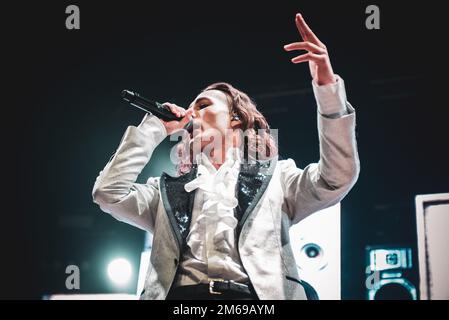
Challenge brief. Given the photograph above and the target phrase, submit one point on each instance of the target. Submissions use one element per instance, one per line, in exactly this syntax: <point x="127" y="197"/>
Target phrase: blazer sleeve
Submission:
<point x="323" y="184"/>
<point x="115" y="189"/>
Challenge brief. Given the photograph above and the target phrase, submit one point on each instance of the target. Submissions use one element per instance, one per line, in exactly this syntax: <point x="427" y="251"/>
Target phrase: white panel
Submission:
<point x="438" y="249"/>
<point x="99" y="296"/>
<point x="433" y="245"/>
<point x="144" y="264"/>
<point x="321" y="229"/>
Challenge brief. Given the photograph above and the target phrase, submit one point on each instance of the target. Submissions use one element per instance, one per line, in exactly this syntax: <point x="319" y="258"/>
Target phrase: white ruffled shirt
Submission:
<point x="211" y="248"/>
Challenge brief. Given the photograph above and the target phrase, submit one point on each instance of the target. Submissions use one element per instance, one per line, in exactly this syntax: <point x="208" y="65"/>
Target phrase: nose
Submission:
<point x="195" y="112"/>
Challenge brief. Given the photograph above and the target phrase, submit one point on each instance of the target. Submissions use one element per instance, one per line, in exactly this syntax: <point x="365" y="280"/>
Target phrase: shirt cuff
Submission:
<point x="331" y="98"/>
<point x="152" y="125"/>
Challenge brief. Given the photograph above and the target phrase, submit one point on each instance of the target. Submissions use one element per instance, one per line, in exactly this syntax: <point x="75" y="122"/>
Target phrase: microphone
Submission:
<point x="147" y="105"/>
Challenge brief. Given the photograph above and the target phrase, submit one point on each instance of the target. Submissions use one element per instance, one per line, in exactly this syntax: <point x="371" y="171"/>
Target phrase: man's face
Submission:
<point x="210" y="116"/>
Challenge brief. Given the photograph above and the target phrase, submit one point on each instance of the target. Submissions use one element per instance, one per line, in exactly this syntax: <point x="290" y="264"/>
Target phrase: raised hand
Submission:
<point x="317" y="55"/>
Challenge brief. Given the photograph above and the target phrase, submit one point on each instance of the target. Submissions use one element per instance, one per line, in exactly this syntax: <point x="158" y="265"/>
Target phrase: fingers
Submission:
<point x="187" y="117"/>
<point x="309" y="46"/>
<point x="300" y="29"/>
<point x="316" y="53"/>
<point x="175" y="125"/>
<point x="176" y="110"/>
<point x="305" y="31"/>
<point x="318" y="58"/>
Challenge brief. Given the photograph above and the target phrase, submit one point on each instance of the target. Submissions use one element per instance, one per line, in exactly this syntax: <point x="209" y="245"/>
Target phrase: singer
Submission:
<point x="220" y="228"/>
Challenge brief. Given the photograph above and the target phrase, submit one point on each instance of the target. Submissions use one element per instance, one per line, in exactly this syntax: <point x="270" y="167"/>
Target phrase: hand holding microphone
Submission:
<point x="175" y="125"/>
<point x="172" y="116"/>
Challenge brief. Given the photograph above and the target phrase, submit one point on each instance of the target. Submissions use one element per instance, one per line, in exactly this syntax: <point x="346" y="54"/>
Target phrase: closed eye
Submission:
<point x="202" y="103"/>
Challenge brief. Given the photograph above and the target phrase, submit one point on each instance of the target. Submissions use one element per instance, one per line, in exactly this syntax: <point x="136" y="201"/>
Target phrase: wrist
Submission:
<point x="331" y="98"/>
<point x="322" y="81"/>
<point x="153" y="125"/>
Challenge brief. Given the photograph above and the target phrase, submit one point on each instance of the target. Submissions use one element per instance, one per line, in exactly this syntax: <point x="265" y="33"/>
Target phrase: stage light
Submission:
<point x="120" y="271"/>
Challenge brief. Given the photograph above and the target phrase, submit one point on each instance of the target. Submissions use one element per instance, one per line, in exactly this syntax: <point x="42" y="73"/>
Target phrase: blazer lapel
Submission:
<point x="178" y="203"/>
<point x="252" y="182"/>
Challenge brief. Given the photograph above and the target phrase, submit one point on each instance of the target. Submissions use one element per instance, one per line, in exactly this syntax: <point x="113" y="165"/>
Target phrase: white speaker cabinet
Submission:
<point x="316" y="245"/>
<point x="432" y="222"/>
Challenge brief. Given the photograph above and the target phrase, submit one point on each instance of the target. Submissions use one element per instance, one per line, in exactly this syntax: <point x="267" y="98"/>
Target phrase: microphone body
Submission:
<point x="149" y="106"/>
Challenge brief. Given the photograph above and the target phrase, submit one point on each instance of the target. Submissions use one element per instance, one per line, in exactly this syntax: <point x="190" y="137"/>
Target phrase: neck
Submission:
<point x="217" y="156"/>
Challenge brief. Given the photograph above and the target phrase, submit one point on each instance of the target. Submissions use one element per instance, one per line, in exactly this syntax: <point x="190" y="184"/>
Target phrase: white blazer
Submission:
<point x="283" y="195"/>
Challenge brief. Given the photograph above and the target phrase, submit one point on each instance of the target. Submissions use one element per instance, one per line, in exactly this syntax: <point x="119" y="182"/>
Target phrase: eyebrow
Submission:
<point x="199" y="99"/>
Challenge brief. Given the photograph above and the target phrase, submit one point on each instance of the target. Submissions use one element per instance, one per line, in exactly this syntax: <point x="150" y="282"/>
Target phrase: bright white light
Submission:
<point x="119" y="271"/>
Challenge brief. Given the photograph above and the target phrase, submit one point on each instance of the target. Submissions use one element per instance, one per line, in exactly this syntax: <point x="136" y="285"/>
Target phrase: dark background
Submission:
<point x="63" y="116"/>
